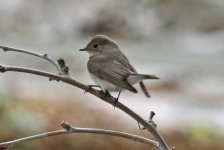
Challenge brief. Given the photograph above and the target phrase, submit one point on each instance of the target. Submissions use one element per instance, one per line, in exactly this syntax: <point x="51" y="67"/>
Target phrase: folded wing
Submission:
<point x="117" y="74"/>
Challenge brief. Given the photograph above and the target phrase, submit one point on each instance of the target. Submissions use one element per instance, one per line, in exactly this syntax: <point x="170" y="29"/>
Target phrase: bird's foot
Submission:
<point x="116" y="100"/>
<point x="89" y="88"/>
<point x="106" y="93"/>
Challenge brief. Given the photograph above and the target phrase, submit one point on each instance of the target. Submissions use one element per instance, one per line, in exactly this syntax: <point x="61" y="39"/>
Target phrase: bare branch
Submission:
<point x="68" y="129"/>
<point x="29" y="138"/>
<point x="136" y="138"/>
<point x="63" y="76"/>
<point x="107" y="98"/>
<point x="44" y="56"/>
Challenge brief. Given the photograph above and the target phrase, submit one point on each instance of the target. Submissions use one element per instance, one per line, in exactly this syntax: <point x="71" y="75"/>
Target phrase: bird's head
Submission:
<point x="99" y="44"/>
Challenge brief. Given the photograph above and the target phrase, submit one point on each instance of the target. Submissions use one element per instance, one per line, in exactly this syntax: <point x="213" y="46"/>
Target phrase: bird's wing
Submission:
<point x="121" y="58"/>
<point x="142" y="85"/>
<point x="116" y="74"/>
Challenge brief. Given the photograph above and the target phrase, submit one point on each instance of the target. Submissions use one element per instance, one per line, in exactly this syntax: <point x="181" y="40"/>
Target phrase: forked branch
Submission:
<point x="63" y="76"/>
<point x="43" y="56"/>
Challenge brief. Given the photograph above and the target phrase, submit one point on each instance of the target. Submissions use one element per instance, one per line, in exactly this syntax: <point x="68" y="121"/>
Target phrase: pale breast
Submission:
<point x="104" y="84"/>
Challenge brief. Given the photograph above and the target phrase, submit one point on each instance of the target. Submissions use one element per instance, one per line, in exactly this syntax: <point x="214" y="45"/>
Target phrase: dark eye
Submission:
<point x="95" y="45"/>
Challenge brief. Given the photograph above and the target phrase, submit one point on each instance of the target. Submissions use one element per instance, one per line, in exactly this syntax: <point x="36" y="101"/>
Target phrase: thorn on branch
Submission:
<point x="66" y="126"/>
<point x="2" y="69"/>
<point x="64" y="68"/>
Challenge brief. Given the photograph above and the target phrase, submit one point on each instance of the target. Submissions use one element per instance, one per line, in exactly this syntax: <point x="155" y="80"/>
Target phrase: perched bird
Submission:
<point x="110" y="68"/>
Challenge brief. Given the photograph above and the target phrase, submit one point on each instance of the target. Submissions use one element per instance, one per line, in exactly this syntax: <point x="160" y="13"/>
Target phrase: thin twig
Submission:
<point x="44" y="56"/>
<point x="68" y="129"/>
<point x="33" y="137"/>
<point x="109" y="99"/>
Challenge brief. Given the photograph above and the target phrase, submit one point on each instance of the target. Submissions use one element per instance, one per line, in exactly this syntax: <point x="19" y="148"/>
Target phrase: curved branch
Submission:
<point x="150" y="126"/>
<point x="109" y="99"/>
<point x="68" y="129"/>
<point x="44" y="56"/>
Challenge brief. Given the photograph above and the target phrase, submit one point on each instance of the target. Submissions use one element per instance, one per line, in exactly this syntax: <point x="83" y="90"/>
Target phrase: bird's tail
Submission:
<point x="135" y="78"/>
<point x="142" y="85"/>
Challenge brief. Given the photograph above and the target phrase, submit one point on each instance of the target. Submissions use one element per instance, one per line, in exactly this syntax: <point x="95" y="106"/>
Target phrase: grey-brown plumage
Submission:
<point x="110" y="68"/>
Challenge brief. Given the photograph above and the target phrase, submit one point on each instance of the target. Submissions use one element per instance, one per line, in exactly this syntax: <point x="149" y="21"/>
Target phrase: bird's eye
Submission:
<point x="95" y="45"/>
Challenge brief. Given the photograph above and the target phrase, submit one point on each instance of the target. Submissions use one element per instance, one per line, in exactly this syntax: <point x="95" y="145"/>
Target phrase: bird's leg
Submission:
<point x="105" y="93"/>
<point x="89" y="88"/>
<point x="116" y="100"/>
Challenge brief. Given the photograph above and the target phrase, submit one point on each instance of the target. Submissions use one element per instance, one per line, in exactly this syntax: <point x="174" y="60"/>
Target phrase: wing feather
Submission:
<point x="117" y="75"/>
<point x="124" y="61"/>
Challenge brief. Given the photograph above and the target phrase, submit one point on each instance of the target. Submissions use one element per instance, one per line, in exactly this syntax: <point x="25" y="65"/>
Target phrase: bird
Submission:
<point x="110" y="68"/>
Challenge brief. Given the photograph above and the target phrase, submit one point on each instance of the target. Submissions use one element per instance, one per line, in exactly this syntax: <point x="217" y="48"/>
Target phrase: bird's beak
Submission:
<point x="83" y="49"/>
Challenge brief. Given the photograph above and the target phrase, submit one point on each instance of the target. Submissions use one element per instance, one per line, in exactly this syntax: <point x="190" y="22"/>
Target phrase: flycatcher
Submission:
<point x="110" y="68"/>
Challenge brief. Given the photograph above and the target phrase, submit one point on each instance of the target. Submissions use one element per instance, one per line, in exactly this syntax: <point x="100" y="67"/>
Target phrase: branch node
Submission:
<point x="173" y="148"/>
<point x="44" y="55"/>
<point x="2" y="69"/>
<point x="66" y="126"/>
<point x="4" y="49"/>
<point x="64" y="68"/>
<point x="152" y="114"/>
<point x="153" y="124"/>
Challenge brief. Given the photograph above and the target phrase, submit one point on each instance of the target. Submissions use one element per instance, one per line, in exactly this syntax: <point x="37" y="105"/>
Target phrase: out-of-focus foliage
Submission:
<point x="80" y="115"/>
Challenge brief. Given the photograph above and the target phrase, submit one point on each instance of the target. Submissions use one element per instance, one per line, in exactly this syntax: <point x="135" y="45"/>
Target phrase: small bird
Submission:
<point x="110" y="68"/>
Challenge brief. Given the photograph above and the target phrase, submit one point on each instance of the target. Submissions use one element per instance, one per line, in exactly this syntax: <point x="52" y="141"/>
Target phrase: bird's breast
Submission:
<point x="104" y="84"/>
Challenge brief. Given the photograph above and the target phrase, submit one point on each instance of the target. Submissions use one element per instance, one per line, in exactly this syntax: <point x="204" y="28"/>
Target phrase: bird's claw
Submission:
<point x="102" y="93"/>
<point x="116" y="100"/>
<point x="106" y="93"/>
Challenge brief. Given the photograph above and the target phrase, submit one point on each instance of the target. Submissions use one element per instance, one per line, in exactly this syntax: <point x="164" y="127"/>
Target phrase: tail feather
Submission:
<point x="151" y="77"/>
<point x="135" y="78"/>
<point x="144" y="89"/>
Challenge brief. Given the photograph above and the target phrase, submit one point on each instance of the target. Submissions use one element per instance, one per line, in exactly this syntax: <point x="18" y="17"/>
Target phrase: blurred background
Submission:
<point x="179" y="41"/>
